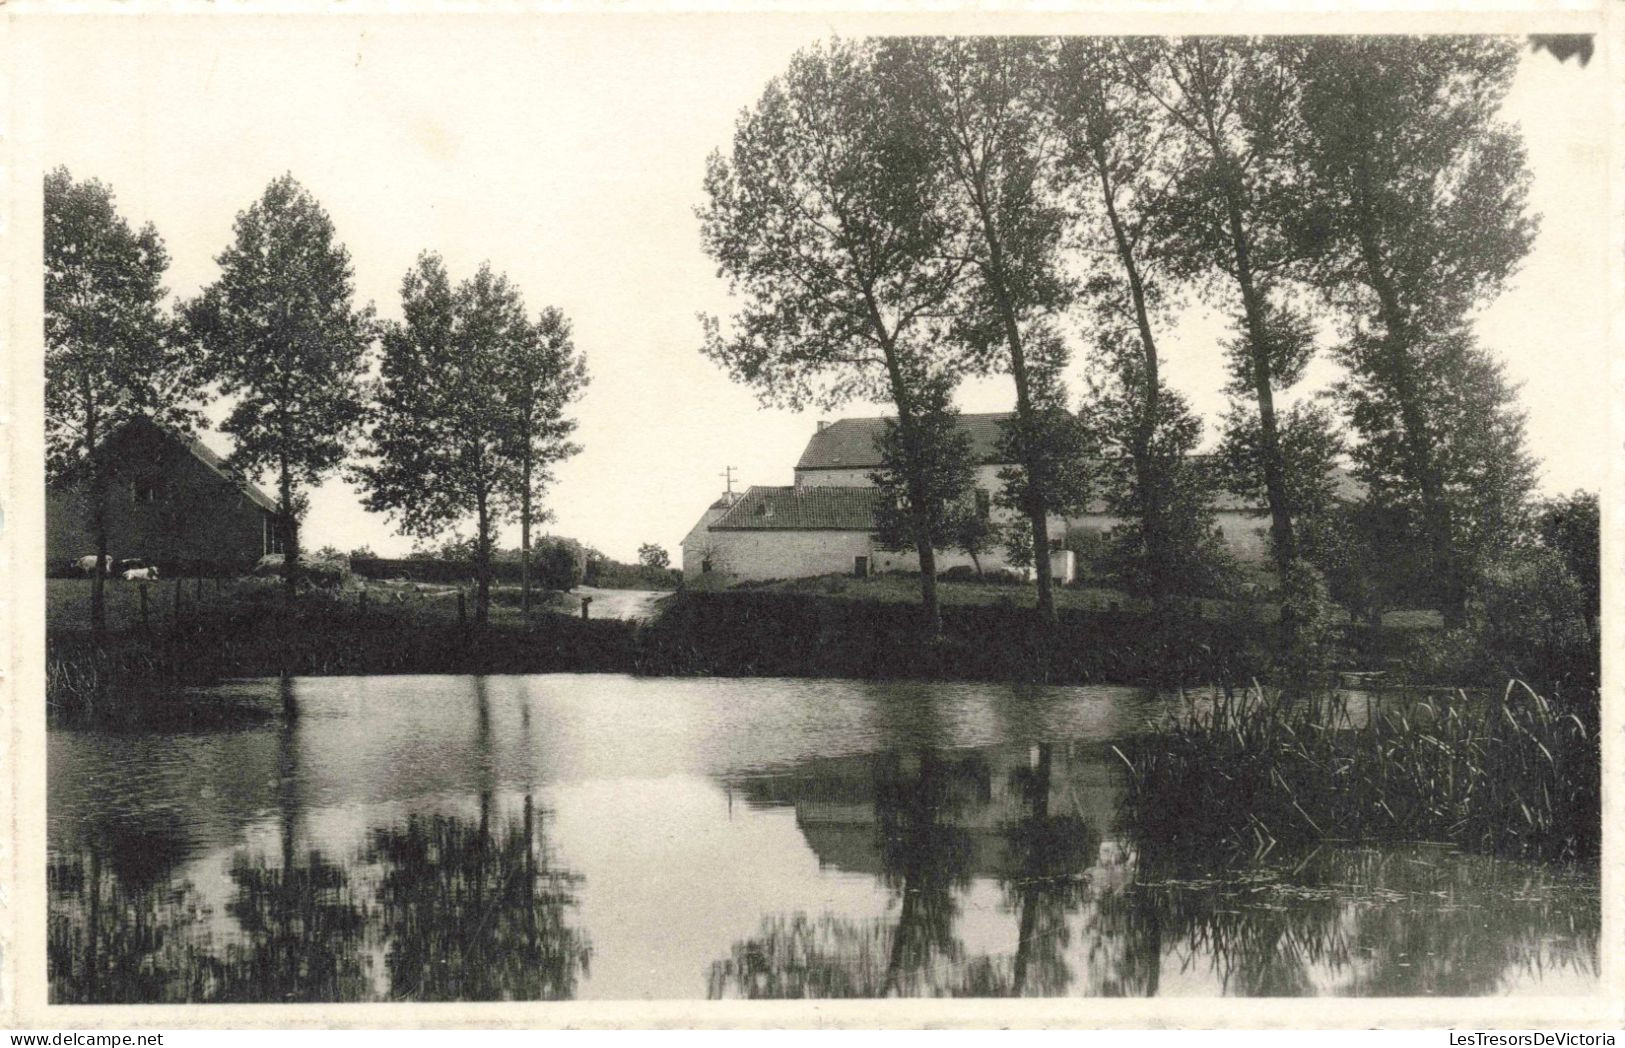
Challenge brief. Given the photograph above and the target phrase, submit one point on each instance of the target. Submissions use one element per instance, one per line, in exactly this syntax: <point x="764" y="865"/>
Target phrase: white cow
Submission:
<point x="87" y="565"/>
<point x="147" y="574"/>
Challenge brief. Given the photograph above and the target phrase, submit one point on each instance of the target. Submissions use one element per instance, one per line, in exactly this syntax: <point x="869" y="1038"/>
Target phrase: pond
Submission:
<point x="602" y="836"/>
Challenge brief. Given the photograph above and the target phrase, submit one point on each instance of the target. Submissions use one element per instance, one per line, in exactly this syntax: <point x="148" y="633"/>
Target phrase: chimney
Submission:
<point x="823" y="424"/>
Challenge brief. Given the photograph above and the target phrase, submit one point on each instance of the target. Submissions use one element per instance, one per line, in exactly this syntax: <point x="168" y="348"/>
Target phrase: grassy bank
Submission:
<point x="1515" y="772"/>
<point x="137" y="672"/>
<point x="240" y="629"/>
<point x="989" y="633"/>
<point x="758" y="632"/>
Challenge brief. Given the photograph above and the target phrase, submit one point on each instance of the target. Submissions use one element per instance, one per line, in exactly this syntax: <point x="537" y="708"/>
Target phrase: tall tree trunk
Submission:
<point x="524" y="539"/>
<point x="1417" y="440"/>
<point x="290" y="532"/>
<point x="919" y="508"/>
<point x="1036" y="503"/>
<point x="482" y="562"/>
<point x="1147" y="477"/>
<point x="98" y="525"/>
<point x="1258" y="341"/>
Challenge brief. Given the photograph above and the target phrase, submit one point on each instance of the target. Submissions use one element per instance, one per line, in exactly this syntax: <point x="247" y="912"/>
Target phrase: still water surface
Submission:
<point x="573" y="836"/>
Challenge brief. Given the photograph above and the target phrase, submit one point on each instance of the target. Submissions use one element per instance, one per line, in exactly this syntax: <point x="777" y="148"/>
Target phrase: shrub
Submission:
<point x="1525" y="619"/>
<point x="557" y="565"/>
<point x="1306" y="608"/>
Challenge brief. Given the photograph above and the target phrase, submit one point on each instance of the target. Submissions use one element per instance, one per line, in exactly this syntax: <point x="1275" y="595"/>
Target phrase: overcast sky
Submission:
<point x="568" y="151"/>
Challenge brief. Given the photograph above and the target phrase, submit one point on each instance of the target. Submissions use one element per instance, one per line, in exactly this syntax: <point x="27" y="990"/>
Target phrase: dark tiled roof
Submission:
<point x="802" y="509"/>
<point x="849" y="443"/>
<point x="204" y="454"/>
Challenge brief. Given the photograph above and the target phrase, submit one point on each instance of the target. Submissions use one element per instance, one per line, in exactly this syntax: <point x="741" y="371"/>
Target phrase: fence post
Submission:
<point x="584" y="602"/>
<point x="198" y="593"/>
<point x="462" y="608"/>
<point x="363" y="600"/>
<point x="144" y="622"/>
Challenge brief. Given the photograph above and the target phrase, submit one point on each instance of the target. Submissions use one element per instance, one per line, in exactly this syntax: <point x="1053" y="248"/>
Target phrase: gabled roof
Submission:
<point x="849" y="443"/>
<point x="801" y="509"/>
<point x="204" y="454"/>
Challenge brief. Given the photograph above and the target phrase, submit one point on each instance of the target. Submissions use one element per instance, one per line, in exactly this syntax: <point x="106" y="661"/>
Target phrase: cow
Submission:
<point x="87" y="565"/>
<point x="148" y="574"/>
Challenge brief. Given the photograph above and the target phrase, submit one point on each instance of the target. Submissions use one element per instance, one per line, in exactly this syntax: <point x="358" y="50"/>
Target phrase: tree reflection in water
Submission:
<point x="475" y="915"/>
<point x="1345" y="920"/>
<point x="922" y="805"/>
<point x="461" y="910"/>
<point x="1096" y="919"/>
<point x="1044" y="882"/>
<point x="113" y="940"/>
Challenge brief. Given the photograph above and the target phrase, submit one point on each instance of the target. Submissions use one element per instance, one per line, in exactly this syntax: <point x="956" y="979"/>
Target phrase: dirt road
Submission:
<point x="637" y="605"/>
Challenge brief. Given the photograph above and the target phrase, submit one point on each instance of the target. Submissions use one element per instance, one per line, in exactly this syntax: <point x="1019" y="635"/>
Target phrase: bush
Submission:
<point x="1525" y="619"/>
<point x="1306" y="609"/>
<point x="558" y="566"/>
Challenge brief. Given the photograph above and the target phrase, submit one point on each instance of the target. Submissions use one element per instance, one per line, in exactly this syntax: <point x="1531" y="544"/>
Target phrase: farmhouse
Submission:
<point x="824" y="523"/>
<point x="170" y="502"/>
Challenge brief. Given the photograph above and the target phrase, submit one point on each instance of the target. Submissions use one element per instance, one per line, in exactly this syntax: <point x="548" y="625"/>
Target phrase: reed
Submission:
<point x="1513" y="772"/>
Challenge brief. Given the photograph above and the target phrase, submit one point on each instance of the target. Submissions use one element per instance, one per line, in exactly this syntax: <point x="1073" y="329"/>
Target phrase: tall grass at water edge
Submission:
<point x="1514" y="772"/>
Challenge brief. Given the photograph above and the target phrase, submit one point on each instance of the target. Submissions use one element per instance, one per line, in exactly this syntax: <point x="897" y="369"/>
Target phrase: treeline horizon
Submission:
<point x="453" y="415"/>
<point x="896" y="215"/>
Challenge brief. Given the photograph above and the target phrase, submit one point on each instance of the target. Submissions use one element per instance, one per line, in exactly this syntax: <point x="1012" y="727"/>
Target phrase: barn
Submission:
<point x="170" y="502"/>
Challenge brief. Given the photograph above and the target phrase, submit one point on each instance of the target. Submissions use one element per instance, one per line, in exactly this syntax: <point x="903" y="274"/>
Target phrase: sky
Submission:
<point x="568" y="151"/>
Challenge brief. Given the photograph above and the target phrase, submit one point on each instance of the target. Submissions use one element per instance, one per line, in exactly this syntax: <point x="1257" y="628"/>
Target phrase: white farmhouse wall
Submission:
<point x="1247" y="535"/>
<point x="743" y="556"/>
<point x="698" y="540"/>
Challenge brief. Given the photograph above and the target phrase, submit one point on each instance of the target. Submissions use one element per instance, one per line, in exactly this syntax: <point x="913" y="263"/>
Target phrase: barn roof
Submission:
<point x="801" y="509"/>
<point x="204" y="454"/>
<point x="849" y="443"/>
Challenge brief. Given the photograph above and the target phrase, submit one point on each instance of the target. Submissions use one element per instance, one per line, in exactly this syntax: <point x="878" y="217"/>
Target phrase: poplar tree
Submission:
<point x="1421" y="216"/>
<point x="542" y="375"/>
<point x="1227" y="218"/>
<point x="111" y="354"/>
<point x="980" y="105"/>
<point x="821" y="219"/>
<point x="280" y="334"/>
<point x="440" y="439"/>
<point x="1119" y="157"/>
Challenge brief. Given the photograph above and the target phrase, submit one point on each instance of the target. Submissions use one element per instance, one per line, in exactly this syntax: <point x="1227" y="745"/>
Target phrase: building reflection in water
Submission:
<point x="328" y="858"/>
<point x="1100" y="917"/>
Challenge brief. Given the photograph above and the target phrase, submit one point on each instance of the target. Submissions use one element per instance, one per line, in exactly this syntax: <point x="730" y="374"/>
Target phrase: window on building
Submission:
<point x="705" y="566"/>
<point x="273" y="535"/>
<point x="984" y="503"/>
<point x="860" y="567"/>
